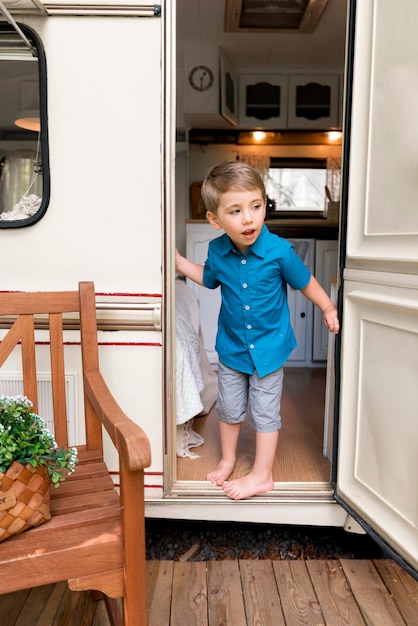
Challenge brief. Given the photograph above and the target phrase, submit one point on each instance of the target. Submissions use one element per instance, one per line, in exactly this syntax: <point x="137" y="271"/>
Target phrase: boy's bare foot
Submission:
<point x="247" y="486"/>
<point x="220" y="473"/>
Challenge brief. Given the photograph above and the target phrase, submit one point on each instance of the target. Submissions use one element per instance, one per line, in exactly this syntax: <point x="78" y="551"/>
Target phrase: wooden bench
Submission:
<point x="96" y="537"/>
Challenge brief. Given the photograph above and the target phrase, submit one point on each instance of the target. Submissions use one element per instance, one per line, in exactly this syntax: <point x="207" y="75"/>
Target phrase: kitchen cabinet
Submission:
<point x="314" y="101"/>
<point x="262" y="101"/>
<point x="301" y="309"/>
<point x="326" y="267"/>
<point x="198" y="236"/>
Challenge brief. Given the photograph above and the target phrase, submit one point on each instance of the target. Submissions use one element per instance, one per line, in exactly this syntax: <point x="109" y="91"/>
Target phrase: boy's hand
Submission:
<point x="188" y="268"/>
<point x="331" y="320"/>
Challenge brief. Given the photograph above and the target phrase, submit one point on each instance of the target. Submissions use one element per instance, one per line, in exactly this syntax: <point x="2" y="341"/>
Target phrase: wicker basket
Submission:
<point x="24" y="498"/>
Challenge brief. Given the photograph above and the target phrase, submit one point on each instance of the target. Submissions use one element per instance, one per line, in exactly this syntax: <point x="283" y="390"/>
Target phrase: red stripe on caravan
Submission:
<point x="109" y="343"/>
<point x="103" y="293"/>
<point x="129" y="295"/>
<point x="116" y="473"/>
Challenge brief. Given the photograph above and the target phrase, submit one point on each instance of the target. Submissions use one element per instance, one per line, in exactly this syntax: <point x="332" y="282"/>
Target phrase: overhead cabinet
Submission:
<point x="210" y="94"/>
<point x="263" y="101"/>
<point x="303" y="101"/>
<point x="314" y="101"/>
<point x="216" y="97"/>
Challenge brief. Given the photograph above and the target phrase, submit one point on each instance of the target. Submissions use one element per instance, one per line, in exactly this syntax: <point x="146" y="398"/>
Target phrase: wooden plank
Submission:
<point x="10" y="606"/>
<point x="225" y="599"/>
<point x="402" y="586"/>
<point x="77" y="607"/>
<point x="47" y="565"/>
<point x="262" y="604"/>
<point x="85" y="608"/>
<point x="34" y="605"/>
<point x="334" y="595"/>
<point x="52" y="604"/>
<point x="299" y="602"/>
<point x="30" y="388"/>
<point x="112" y="581"/>
<point x="56" y="339"/>
<point x="372" y="596"/>
<point x="189" y="603"/>
<point x="159" y="591"/>
<point x="75" y="503"/>
<point x="101" y="617"/>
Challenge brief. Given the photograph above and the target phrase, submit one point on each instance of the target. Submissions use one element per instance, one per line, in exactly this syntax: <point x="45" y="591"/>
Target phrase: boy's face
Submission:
<point x="241" y="214"/>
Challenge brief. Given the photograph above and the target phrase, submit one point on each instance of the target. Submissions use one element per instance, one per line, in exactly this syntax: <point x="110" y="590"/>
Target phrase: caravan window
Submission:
<point x="24" y="163"/>
<point x="297" y="185"/>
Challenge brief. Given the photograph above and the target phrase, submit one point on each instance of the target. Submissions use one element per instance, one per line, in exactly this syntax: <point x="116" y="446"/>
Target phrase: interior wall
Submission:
<point x="202" y="157"/>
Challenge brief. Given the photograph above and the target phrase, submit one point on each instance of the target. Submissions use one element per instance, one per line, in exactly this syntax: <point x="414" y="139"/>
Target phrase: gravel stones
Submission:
<point x="177" y="540"/>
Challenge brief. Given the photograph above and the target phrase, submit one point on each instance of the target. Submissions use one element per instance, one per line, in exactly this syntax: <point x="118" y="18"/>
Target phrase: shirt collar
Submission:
<point x="259" y="248"/>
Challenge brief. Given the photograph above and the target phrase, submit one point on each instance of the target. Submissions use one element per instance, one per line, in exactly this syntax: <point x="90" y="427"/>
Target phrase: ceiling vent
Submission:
<point x="273" y="16"/>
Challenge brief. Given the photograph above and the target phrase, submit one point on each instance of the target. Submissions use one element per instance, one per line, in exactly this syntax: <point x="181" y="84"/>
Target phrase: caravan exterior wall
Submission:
<point x="104" y="219"/>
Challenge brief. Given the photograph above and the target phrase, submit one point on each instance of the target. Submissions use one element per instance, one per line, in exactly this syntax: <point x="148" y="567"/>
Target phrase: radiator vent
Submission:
<point x="12" y="385"/>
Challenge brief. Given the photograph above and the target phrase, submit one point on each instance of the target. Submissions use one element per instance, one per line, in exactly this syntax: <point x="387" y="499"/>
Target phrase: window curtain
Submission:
<point x="18" y="178"/>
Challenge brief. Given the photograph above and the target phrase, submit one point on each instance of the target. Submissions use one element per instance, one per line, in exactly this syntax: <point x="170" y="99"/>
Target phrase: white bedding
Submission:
<point x="196" y="382"/>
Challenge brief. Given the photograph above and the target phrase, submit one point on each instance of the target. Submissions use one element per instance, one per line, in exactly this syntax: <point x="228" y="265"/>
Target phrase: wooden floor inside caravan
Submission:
<point x="299" y="456"/>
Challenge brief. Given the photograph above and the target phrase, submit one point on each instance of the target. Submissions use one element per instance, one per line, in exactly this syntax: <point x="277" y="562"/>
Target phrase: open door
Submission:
<point x="377" y="468"/>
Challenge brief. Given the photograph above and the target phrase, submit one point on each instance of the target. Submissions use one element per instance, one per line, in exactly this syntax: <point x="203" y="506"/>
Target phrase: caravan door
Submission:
<point x="377" y="470"/>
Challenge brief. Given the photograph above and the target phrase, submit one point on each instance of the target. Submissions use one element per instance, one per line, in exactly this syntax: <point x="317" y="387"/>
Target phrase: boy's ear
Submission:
<point x="213" y="220"/>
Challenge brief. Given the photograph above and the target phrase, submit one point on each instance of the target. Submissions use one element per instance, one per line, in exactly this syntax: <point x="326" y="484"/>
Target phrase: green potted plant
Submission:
<point x="30" y="461"/>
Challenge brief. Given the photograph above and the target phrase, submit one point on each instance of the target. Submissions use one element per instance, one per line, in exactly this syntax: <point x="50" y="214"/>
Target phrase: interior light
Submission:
<point x="28" y="118"/>
<point x="334" y="135"/>
<point x="259" y="135"/>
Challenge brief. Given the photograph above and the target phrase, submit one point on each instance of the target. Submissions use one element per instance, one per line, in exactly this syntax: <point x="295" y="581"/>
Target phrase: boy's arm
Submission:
<point x="189" y="269"/>
<point x="314" y="292"/>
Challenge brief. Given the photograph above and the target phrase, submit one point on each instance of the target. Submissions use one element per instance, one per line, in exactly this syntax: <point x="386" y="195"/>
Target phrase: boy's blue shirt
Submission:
<point x="254" y="330"/>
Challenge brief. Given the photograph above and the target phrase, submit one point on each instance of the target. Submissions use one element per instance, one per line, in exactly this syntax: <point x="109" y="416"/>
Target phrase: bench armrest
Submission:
<point x="129" y="439"/>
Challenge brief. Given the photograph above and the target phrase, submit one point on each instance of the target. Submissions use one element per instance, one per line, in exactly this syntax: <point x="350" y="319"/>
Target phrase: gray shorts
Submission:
<point x="238" y="392"/>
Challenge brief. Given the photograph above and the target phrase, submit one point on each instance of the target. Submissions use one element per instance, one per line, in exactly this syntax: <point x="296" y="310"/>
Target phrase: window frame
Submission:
<point x="44" y="143"/>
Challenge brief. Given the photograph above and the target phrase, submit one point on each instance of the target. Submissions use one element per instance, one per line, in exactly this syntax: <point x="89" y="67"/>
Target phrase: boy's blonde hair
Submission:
<point x="229" y="176"/>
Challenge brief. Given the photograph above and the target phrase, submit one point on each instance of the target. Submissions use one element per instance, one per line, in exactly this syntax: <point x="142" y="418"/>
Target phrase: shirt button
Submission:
<point x="244" y="285"/>
<point x="243" y="261"/>
<point x="247" y="308"/>
<point x="249" y="327"/>
<point x="251" y="346"/>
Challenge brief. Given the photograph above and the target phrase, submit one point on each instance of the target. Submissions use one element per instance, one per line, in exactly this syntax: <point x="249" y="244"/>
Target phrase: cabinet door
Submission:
<point x="326" y="264"/>
<point x="263" y="101"/>
<point x="314" y="101"/>
<point x="301" y="309"/>
<point x="198" y="238"/>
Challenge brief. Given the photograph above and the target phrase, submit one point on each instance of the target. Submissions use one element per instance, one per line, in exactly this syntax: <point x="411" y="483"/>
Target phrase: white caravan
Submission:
<point x="106" y="76"/>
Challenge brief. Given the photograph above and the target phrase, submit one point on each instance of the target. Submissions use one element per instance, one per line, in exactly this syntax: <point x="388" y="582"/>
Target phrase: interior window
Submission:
<point x="24" y="163"/>
<point x="297" y="185"/>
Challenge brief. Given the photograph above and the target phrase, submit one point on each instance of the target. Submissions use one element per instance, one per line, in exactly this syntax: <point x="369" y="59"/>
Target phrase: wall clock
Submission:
<point x="201" y="78"/>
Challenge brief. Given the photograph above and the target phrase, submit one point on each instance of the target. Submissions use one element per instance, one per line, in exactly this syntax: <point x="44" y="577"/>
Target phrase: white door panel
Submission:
<point x="377" y="473"/>
<point x="377" y="465"/>
<point x="384" y="136"/>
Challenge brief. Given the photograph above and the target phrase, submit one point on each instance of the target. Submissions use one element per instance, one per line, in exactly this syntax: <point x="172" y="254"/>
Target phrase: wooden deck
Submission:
<point x="352" y="592"/>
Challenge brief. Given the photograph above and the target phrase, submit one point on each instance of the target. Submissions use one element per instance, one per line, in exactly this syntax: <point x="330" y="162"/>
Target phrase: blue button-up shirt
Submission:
<point x="254" y="330"/>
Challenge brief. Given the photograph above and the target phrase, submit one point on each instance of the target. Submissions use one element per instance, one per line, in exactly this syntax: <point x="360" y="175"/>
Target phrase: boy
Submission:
<point x="254" y="339"/>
